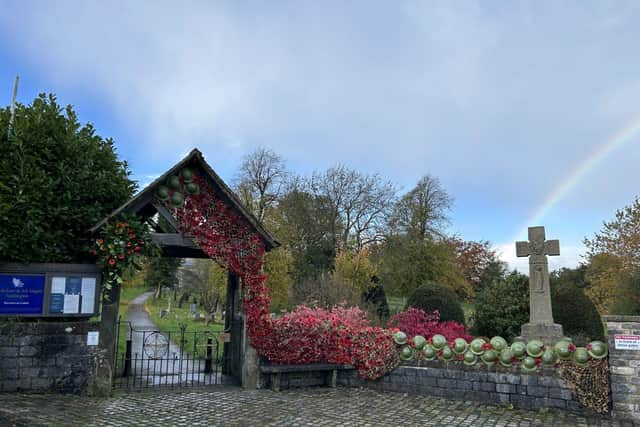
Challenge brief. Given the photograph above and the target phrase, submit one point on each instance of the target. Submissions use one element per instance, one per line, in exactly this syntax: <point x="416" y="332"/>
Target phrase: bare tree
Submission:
<point x="422" y="212"/>
<point x="260" y="180"/>
<point x="361" y="203"/>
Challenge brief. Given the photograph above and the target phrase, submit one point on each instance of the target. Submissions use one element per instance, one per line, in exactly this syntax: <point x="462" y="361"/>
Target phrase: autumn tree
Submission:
<point x="207" y="282"/>
<point x="423" y="211"/>
<point x="619" y="237"/>
<point x="406" y="263"/>
<point x="355" y="268"/>
<point x="306" y="226"/>
<point x="261" y="180"/>
<point x="360" y="203"/>
<point x="475" y="259"/>
<point x="278" y="266"/>
<point x="604" y="274"/>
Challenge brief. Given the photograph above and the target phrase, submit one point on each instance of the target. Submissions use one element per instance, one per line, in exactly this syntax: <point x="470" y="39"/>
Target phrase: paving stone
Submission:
<point x="230" y="406"/>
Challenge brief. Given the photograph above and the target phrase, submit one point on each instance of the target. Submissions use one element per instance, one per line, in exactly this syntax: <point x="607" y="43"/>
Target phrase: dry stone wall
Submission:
<point x="624" y="365"/>
<point x="543" y="389"/>
<point x="47" y="356"/>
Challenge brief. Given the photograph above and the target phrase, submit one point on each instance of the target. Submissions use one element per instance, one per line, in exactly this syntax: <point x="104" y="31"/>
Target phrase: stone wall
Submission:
<point x="543" y="389"/>
<point x="625" y="369"/>
<point x="47" y="356"/>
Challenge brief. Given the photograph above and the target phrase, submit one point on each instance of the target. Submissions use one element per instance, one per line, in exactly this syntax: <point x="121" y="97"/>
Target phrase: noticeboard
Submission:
<point x="49" y="290"/>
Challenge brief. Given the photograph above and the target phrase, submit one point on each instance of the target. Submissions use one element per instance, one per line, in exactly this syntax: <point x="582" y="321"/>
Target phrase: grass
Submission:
<point x="196" y="331"/>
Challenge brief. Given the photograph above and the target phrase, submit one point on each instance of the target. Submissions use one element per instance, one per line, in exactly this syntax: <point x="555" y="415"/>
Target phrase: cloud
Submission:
<point x="500" y="102"/>
<point x="570" y="257"/>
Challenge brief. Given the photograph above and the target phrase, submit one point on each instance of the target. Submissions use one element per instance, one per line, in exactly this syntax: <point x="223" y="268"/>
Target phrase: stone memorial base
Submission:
<point x="548" y="333"/>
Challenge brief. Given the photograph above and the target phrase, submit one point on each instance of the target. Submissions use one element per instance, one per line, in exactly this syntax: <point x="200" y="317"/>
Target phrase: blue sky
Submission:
<point x="500" y="100"/>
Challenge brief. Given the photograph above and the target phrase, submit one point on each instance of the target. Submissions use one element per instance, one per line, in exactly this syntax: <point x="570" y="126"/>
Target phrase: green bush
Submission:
<point x="627" y="300"/>
<point x="572" y="308"/>
<point x="57" y="179"/>
<point x="437" y="297"/>
<point x="502" y="307"/>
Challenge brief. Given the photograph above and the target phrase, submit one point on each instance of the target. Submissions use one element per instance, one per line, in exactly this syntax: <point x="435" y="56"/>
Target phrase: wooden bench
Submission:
<point x="275" y="372"/>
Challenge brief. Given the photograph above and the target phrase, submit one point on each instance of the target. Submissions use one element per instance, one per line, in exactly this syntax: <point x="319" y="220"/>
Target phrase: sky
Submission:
<point x="527" y="112"/>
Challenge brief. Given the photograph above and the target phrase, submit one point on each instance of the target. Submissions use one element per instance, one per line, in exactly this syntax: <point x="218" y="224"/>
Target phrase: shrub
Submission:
<point x="437" y="297"/>
<point x="57" y="180"/>
<point x="415" y="321"/>
<point x="627" y="300"/>
<point x="503" y="307"/>
<point x="340" y="335"/>
<point x="573" y="309"/>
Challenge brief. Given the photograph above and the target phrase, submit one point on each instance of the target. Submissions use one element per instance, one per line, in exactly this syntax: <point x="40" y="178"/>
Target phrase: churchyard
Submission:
<point x="283" y="294"/>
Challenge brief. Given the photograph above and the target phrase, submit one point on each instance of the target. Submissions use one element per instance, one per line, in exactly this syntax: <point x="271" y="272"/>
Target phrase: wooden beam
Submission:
<point x="173" y="239"/>
<point x="176" y="245"/>
<point x="164" y="213"/>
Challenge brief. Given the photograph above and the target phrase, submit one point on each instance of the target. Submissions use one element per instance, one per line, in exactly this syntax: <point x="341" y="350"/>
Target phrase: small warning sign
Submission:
<point x="627" y="342"/>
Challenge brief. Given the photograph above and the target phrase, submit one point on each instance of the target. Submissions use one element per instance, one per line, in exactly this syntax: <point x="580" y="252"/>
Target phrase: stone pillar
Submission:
<point x="625" y="369"/>
<point x="250" y="370"/>
<point x="105" y="364"/>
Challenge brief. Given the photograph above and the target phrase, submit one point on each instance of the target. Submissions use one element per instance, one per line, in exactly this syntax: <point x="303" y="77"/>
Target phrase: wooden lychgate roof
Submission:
<point x="170" y="239"/>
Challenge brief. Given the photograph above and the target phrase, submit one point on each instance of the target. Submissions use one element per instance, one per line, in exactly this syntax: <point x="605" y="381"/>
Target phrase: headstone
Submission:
<point x="541" y="325"/>
<point x="192" y="308"/>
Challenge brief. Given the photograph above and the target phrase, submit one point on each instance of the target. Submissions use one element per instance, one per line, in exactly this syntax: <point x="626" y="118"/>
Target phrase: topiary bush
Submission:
<point x="437" y="297"/>
<point x="572" y="308"/>
<point x="502" y="307"/>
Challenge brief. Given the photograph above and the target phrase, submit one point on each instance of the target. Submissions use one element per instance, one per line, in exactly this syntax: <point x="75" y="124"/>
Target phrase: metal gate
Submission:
<point x="179" y="358"/>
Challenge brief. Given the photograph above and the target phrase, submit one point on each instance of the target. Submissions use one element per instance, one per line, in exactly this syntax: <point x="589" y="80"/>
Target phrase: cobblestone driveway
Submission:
<point x="236" y="407"/>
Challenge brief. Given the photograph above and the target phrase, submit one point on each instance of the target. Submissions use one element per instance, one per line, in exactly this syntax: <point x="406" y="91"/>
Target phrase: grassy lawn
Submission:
<point x="196" y="331"/>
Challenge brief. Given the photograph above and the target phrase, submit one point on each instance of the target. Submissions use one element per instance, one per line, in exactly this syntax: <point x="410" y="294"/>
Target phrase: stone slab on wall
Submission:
<point x="624" y="366"/>
<point x="47" y="357"/>
<point x="479" y="383"/>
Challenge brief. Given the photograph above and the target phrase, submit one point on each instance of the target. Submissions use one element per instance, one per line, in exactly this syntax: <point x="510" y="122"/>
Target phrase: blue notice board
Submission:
<point x="21" y="294"/>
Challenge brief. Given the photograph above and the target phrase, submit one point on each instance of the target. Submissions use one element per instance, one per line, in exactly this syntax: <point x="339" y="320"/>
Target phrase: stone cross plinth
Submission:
<point x="540" y="324"/>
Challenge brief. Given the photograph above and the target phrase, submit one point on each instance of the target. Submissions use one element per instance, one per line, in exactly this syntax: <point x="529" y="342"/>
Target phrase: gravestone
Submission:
<point x="541" y="325"/>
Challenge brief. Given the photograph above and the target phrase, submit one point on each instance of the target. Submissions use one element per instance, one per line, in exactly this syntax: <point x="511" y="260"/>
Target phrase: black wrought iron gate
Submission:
<point x="178" y="358"/>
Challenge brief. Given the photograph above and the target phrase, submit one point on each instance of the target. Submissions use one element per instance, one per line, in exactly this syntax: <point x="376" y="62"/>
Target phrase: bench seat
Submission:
<point x="275" y="372"/>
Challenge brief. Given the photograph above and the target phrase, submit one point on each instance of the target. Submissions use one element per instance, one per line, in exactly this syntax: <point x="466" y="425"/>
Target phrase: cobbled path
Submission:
<point x="303" y="407"/>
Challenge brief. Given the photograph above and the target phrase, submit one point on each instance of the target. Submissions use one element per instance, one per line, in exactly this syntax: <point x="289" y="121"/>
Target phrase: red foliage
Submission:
<point x="415" y="321"/>
<point x="303" y="336"/>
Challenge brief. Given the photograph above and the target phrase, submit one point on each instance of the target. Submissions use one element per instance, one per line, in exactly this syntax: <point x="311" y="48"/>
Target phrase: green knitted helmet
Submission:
<point x="419" y="342"/>
<point x="498" y="343"/>
<point x="476" y="346"/>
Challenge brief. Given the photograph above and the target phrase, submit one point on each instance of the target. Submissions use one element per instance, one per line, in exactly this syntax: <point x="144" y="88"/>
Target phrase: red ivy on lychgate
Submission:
<point x="303" y="336"/>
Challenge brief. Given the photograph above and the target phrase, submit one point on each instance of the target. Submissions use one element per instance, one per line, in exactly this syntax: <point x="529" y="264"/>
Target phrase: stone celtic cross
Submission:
<point x="540" y="324"/>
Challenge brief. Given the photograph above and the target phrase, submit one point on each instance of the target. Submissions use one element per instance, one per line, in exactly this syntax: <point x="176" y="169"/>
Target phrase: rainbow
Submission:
<point x="617" y="140"/>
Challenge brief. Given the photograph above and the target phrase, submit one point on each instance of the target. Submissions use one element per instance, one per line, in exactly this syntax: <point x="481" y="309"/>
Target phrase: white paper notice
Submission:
<point x="627" y="342"/>
<point x="58" y="285"/>
<point x="71" y="304"/>
<point x="88" y="286"/>
<point x="93" y="337"/>
<point x="88" y="294"/>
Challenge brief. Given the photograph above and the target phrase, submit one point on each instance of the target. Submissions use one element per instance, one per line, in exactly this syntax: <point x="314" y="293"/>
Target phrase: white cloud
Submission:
<point x="500" y="102"/>
<point x="570" y="257"/>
